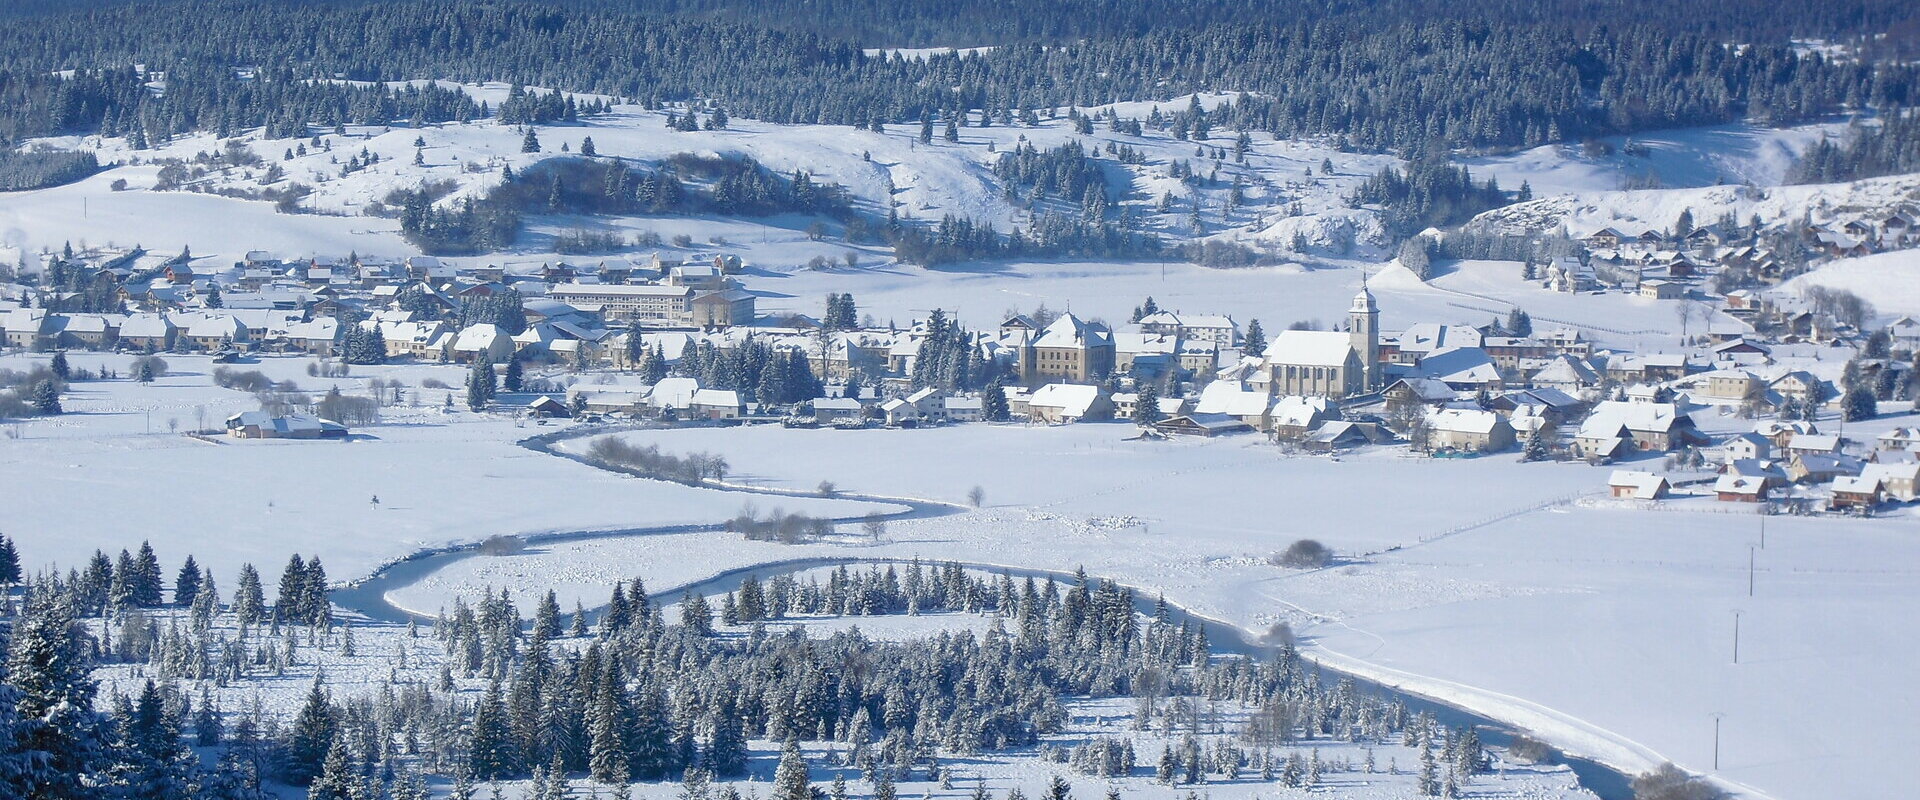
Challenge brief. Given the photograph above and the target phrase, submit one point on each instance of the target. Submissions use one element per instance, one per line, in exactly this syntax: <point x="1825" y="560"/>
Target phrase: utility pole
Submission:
<point x="1716" y="740"/>
<point x="1750" y="552"/>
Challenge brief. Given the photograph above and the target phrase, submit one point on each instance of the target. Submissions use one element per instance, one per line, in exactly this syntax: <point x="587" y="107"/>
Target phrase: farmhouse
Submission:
<point x="261" y="425"/>
<point x="1638" y="485"/>
<point x="1062" y="403"/>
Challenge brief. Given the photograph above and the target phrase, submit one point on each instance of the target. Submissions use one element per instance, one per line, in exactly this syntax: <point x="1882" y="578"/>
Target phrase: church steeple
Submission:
<point x="1363" y="328"/>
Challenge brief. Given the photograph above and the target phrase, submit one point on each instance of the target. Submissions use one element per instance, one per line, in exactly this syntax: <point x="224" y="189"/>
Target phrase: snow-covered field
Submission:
<point x="1680" y="158"/>
<point x="1891" y="281"/>
<point x="890" y="170"/>
<point x="96" y="478"/>
<point x="1606" y="629"/>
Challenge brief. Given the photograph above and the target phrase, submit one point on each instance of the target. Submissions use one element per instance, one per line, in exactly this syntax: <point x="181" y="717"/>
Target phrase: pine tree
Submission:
<point x="46" y="398"/>
<point x="607" y="728"/>
<point x="480" y="384"/>
<point x="50" y="687"/>
<point x="587" y="149"/>
<point x="1536" y="447"/>
<point x="790" y="778"/>
<point x="490" y="750"/>
<point x="512" y="379"/>
<point x="1255" y="340"/>
<point x="337" y="779"/>
<point x="727" y="747"/>
<point x="695" y="615"/>
<point x="309" y="744"/>
<point x="59" y="366"/>
<point x="993" y="403"/>
<point x="249" y="602"/>
<point x="186" y="585"/>
<point x="146" y="585"/>
<point x="9" y="563"/>
<point x="1146" y="409"/>
<point x="530" y="143"/>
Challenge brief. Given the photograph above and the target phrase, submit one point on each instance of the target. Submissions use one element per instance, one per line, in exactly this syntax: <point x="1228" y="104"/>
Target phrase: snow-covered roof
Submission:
<point x="1310" y="348"/>
<point x="1428" y="336"/>
<point x="1460" y="365"/>
<point x="477" y="337"/>
<point x="1297" y="411"/>
<point x="1645" y="484"/>
<point x="1739" y="484"/>
<point x="1073" y="399"/>
<point x="1611" y="417"/>
<point x="1071" y="331"/>
<point x="675" y="392"/>
<point x="1464" y="420"/>
<point x="717" y="398"/>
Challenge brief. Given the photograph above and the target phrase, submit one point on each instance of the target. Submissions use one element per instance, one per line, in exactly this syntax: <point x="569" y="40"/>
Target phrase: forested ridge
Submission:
<point x="1398" y="75"/>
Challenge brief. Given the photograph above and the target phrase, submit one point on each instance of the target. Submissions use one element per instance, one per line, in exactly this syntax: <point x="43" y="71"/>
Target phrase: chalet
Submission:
<point x="1903" y="438"/>
<point x="1606" y="239"/>
<point x="93" y="331"/>
<point x="548" y="407"/>
<point x="1062" y="403"/>
<point x="1856" y="492"/>
<point x="1747" y="446"/>
<point x="1658" y="289"/>
<point x="1418" y="391"/>
<point x="966" y="409"/>
<point x="1740" y="489"/>
<point x="1813" y="444"/>
<point x="1230" y="398"/>
<point x="26" y="327"/>
<point x="630" y="401"/>
<point x="1821" y="468"/>
<point x="317" y="337"/>
<point x="1339" y="434"/>
<point x="1905" y="333"/>
<point x="717" y="404"/>
<point x="1463" y="369"/>
<point x="148" y="332"/>
<point x="1901" y="480"/>
<point x="829" y="410"/>
<point x="1293" y="416"/>
<point x="899" y="412"/>
<point x="1566" y="373"/>
<point x="216" y="331"/>
<point x="1637" y="485"/>
<point x="1201" y="425"/>
<point x="1652" y="427"/>
<point x="482" y="340"/>
<point x="1740" y="350"/>
<point x="423" y="341"/>
<point x="1727" y="384"/>
<point x="1469" y="429"/>
<point x="261" y="425"/>
<point x="1781" y="432"/>
<point x="674" y="394"/>
<point x="1421" y="340"/>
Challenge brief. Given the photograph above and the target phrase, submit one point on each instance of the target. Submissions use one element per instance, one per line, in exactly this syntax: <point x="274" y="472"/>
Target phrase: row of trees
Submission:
<point x="1540" y="72"/>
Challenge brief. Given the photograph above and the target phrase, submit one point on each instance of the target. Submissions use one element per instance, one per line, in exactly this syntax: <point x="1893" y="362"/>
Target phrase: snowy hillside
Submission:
<point x="890" y="170"/>
<point x="1659" y="208"/>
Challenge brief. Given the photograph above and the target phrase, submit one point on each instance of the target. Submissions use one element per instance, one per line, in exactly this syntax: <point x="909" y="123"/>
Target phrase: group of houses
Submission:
<point x="1669" y="263"/>
<point x="1795" y="462"/>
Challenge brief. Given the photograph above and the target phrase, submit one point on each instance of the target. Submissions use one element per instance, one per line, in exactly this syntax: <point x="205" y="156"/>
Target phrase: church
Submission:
<point x="1335" y="364"/>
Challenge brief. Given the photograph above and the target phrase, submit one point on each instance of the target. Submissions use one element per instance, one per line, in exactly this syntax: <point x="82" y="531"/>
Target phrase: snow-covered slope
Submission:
<point x="890" y="170"/>
<point x="1659" y="208"/>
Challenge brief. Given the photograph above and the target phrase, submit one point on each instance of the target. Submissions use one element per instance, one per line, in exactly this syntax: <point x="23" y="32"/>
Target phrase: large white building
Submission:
<point x="1328" y="363"/>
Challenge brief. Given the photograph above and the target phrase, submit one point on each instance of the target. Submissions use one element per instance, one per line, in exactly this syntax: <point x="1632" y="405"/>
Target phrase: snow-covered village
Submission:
<point x="543" y="399"/>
